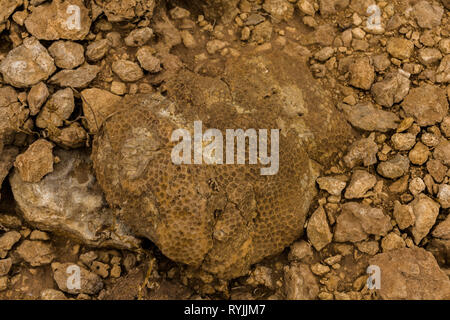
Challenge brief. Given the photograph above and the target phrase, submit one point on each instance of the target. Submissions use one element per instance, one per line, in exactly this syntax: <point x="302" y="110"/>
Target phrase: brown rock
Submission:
<point x="361" y="182"/>
<point x="362" y="73"/>
<point x="37" y="95"/>
<point x="57" y="109"/>
<point x="318" y="230"/>
<point x="419" y="154"/>
<point x="90" y="283"/>
<point x="7" y="241"/>
<point x="97" y="105"/>
<point x="67" y="54"/>
<point x="400" y="48"/>
<point x="426" y="211"/>
<point x="36" y="253"/>
<point x="300" y="283"/>
<point x="78" y="78"/>
<point x="127" y="71"/>
<point x="394" y="168"/>
<point x="36" y="162"/>
<point x="366" y="117"/>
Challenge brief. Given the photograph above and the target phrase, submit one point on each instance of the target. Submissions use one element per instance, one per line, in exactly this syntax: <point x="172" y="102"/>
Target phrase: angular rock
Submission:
<point x="427" y="104"/>
<point x="357" y="221"/>
<point x="411" y="274"/>
<point x="443" y="71"/>
<point x="428" y="15"/>
<point x="392" y="241"/>
<point x="67" y="54"/>
<point x="444" y="196"/>
<point x="404" y="215"/>
<point x="71" y="137"/>
<point x="300" y="283"/>
<point x="279" y="9"/>
<point x="57" y="109"/>
<point x="403" y="141"/>
<point x="362" y="73"/>
<point x="5" y="266"/>
<point x="78" y="78"/>
<point x="90" y="283"/>
<point x="393" y="89"/>
<point x="96" y="50"/>
<point x="400" y="48"/>
<point x="59" y="19"/>
<point x="318" y="230"/>
<point x="37" y="95"/>
<point x="7" y="7"/>
<point x="138" y="37"/>
<point x="426" y="211"/>
<point x="442" y="152"/>
<point x="394" y="168"/>
<point x="7" y="157"/>
<point x="333" y="185"/>
<point x="27" y="64"/>
<point x="361" y="182"/>
<point x="362" y="152"/>
<point x="7" y="241"/>
<point x="366" y="117"/>
<point x="36" y="253"/>
<point x="52" y="294"/>
<point x="36" y="162"/>
<point x="122" y="10"/>
<point x="127" y="71"/>
<point x="68" y="202"/>
<point x="429" y="56"/>
<point x="442" y="230"/>
<point x="419" y="154"/>
<point x="147" y="60"/>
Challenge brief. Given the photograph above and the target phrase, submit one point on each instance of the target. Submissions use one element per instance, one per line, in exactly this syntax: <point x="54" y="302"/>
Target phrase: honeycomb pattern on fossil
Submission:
<point x="221" y="218"/>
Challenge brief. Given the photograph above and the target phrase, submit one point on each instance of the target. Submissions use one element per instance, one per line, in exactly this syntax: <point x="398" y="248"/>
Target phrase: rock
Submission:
<point x="5" y="266"/>
<point x="366" y="117"/>
<point x="90" y="283"/>
<point x="127" y="71"/>
<point x="399" y="186"/>
<point x="7" y="7"/>
<point x="60" y="19"/>
<point x="27" y="64"/>
<point x="329" y="7"/>
<point x="319" y="269"/>
<point x="392" y="241"/>
<point x="36" y="162"/>
<point x="400" y="48"/>
<point x="306" y="7"/>
<point x="215" y="244"/>
<point x="139" y="37"/>
<point x="101" y="269"/>
<point x="416" y="186"/>
<point x="97" y="105"/>
<point x="39" y="235"/>
<point x="429" y="56"/>
<point x="393" y="89"/>
<point x="442" y="230"/>
<point x="300" y="283"/>
<point x="369" y="247"/>
<point x="357" y="221"/>
<point x="394" y="168"/>
<point x="419" y="154"/>
<point x="78" y="78"/>
<point x="300" y="251"/>
<point x="71" y="137"/>
<point x="437" y="170"/>
<point x="3" y="283"/>
<point x="361" y="182"/>
<point x="54" y="204"/>
<point x="381" y="62"/>
<point x="67" y="54"/>
<point x="279" y="9"/>
<point x="7" y="241"/>
<point x="190" y="42"/>
<point x="333" y="185"/>
<point x="404" y="215"/>
<point x="57" y="109"/>
<point x="324" y="54"/>
<point x="403" y="141"/>
<point x="443" y="71"/>
<point x="122" y="10"/>
<point x="37" y="95"/>
<point x="362" y="73"/>
<point x="52" y="294"/>
<point x="13" y="115"/>
<point x="444" y="196"/>
<point x="426" y="211"/>
<point x="260" y="34"/>
<point x="362" y="152"/>
<point x="427" y="104"/>
<point x="442" y="152"/>
<point x="318" y="230"/>
<point x="7" y="157"/>
<point x="96" y="50"/>
<point x="36" y="253"/>
<point x="179" y="13"/>
<point x="427" y="15"/>
<point x="261" y="275"/>
<point x="147" y="61"/>
<point x="215" y="45"/>
<point x="411" y="274"/>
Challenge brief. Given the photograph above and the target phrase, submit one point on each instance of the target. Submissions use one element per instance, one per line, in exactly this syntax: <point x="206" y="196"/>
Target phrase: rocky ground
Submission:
<point x="367" y="80"/>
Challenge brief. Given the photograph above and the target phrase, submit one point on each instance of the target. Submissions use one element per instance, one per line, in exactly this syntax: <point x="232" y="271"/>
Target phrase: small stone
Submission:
<point x="7" y="241"/>
<point x="366" y="117"/>
<point x="318" y="230"/>
<point x="36" y="253"/>
<point x="426" y="211"/>
<point x="96" y="50"/>
<point x="39" y="235"/>
<point x="71" y="137"/>
<point x="57" y="109"/>
<point x="437" y="170"/>
<point x="127" y="71"/>
<point x="400" y="48"/>
<point x="37" y="95"/>
<point x="67" y="54"/>
<point x="362" y="73"/>
<point x="428" y="15"/>
<point x="139" y="37"/>
<point x="360" y="183"/>
<point x="416" y="186"/>
<point x="147" y="60"/>
<point x="36" y="162"/>
<point x="445" y="126"/>
<point x="324" y="54"/>
<point x="444" y="196"/>
<point x="403" y="141"/>
<point x="392" y="241"/>
<point x="394" y="168"/>
<point x="189" y="40"/>
<point x="100" y="268"/>
<point x="419" y="154"/>
<point x="118" y="88"/>
<point x="300" y="251"/>
<point x="27" y="64"/>
<point x="5" y="266"/>
<point x="442" y="152"/>
<point x="215" y="45"/>
<point x="78" y="78"/>
<point x="332" y="185"/>
<point x="115" y="271"/>
<point x="98" y="104"/>
<point x="179" y="13"/>
<point x="306" y="7"/>
<point x="279" y="9"/>
<point x="319" y="269"/>
<point x="362" y="152"/>
<point x="3" y="283"/>
<point x="52" y="294"/>
<point x="442" y="230"/>
<point x="393" y="89"/>
<point x="300" y="283"/>
<point x="369" y="247"/>
<point x="429" y="56"/>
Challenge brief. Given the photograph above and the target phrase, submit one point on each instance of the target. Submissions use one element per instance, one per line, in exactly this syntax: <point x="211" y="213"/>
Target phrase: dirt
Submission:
<point x="87" y="114"/>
